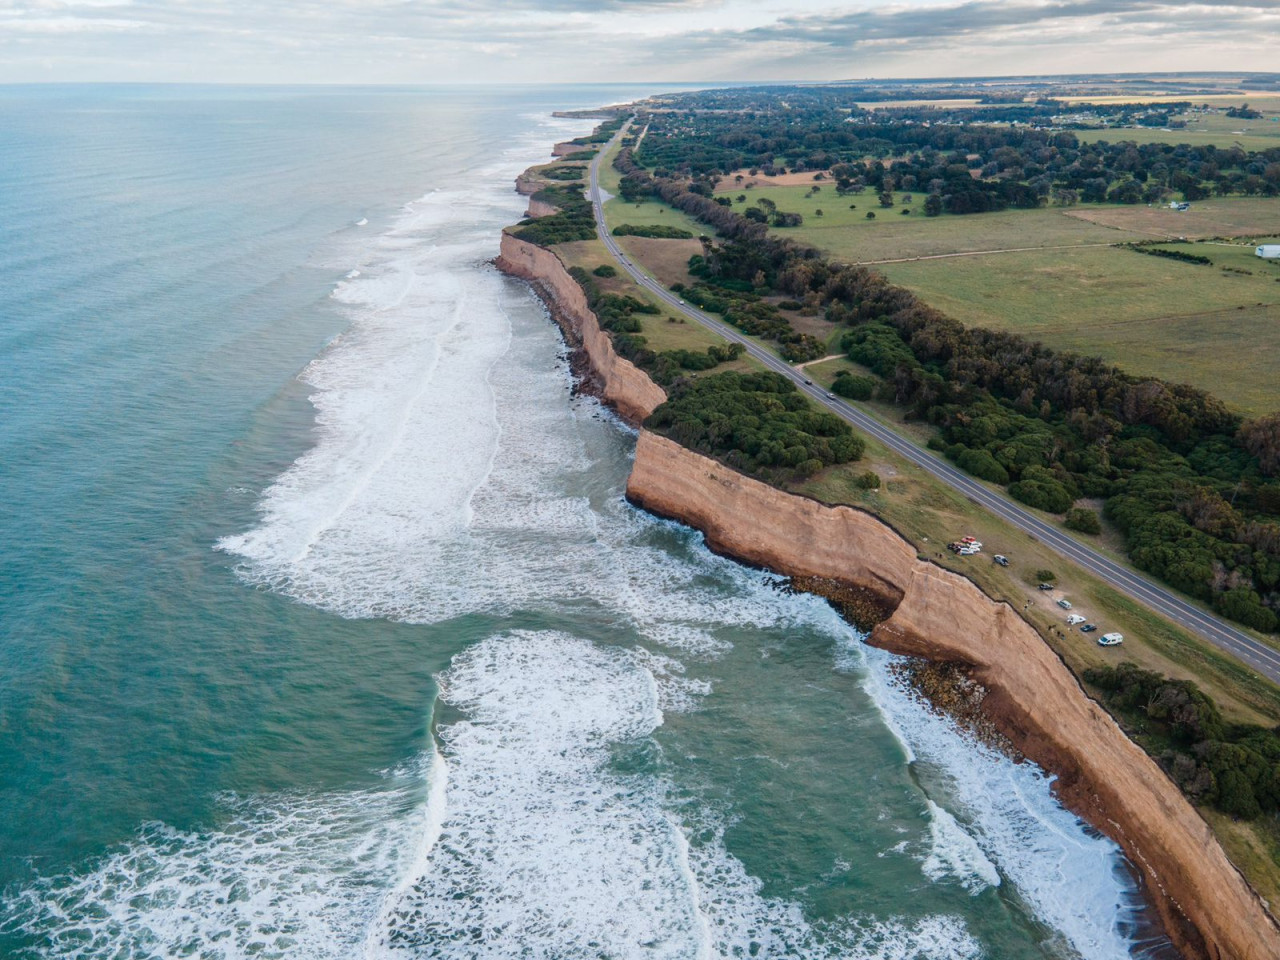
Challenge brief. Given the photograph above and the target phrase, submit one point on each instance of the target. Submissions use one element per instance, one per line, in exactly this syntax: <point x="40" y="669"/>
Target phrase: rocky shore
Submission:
<point x="1018" y="688"/>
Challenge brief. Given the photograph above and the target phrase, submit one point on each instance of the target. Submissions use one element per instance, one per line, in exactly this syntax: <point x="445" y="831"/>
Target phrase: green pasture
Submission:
<point x="1184" y="322"/>
<point x="844" y="232"/>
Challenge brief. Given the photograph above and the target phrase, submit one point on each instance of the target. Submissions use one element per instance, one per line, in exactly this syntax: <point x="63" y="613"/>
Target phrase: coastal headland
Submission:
<point x="1031" y="697"/>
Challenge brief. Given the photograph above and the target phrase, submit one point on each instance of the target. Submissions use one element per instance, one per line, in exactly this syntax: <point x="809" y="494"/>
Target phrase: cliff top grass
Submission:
<point x="658" y="329"/>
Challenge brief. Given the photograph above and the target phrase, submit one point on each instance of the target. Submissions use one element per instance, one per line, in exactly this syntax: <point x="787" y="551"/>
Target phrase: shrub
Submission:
<point x="855" y="388"/>
<point x="1083" y="520"/>
<point x="871" y="214"/>
<point x="1045" y="575"/>
<point x="659" y="232"/>
<point x="1048" y="495"/>
<point x="605" y="270"/>
<point x="868" y="481"/>
<point x="980" y="463"/>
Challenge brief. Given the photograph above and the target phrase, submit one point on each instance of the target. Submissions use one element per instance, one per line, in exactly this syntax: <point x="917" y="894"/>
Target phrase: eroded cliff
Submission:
<point x="1034" y="700"/>
<point x="600" y="371"/>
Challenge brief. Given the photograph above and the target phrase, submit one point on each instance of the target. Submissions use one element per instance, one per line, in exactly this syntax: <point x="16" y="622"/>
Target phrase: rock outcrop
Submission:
<point x="539" y="208"/>
<point x="1033" y="699"/>
<point x="527" y="184"/>
<point x="600" y="371"/>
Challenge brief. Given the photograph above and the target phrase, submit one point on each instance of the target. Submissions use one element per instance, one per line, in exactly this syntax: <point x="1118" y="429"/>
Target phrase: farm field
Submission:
<point x="1221" y="217"/>
<point x="1183" y="322"/>
<point x="846" y="234"/>
<point x="1262" y="135"/>
<point x="1217" y="129"/>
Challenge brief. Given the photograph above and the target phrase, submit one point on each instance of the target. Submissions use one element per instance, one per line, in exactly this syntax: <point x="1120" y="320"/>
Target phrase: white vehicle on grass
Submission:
<point x="1074" y="619"/>
<point x="1111" y="640"/>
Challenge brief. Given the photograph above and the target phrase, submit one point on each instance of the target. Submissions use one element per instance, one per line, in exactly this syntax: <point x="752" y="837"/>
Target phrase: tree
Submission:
<point x="1083" y="520"/>
<point x="932" y="205"/>
<point x="886" y="199"/>
<point x="871" y="214"/>
<point x="1261" y="437"/>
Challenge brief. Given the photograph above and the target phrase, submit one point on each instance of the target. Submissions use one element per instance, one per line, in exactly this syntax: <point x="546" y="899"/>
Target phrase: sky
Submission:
<point x="538" y="41"/>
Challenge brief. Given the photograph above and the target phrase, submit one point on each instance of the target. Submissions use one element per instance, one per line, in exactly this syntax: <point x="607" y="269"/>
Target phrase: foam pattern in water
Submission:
<point x="1070" y="877"/>
<point x="546" y="852"/>
<point x="451" y="474"/>
<point x="295" y="876"/>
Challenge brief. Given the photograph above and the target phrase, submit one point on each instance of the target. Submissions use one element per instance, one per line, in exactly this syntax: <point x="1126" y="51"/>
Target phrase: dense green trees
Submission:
<point x="574" y="221"/>
<point x="757" y="423"/>
<point x="936" y="150"/>
<point x="1233" y="767"/>
<point x="659" y="231"/>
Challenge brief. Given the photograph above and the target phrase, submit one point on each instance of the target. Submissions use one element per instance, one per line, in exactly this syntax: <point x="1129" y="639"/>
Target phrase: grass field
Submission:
<point x="1262" y="136"/>
<point x="844" y="232"/>
<point x="1208" y="128"/>
<point x="1183" y="322"/>
<point x="1220" y="217"/>
<point x="1053" y="275"/>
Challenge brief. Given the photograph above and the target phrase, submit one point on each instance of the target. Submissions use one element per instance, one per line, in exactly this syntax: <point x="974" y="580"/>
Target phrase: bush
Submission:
<point x="1083" y="520"/>
<point x="868" y="481"/>
<point x="657" y="232"/>
<point x="1048" y="495"/>
<point x="604" y="270"/>
<point x="855" y="388"/>
<point x="871" y="214"/>
<point x="1233" y="767"/>
<point x="1045" y="575"/>
<point x="980" y="463"/>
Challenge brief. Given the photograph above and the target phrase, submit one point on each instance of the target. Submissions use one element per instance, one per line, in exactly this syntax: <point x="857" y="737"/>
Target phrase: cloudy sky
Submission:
<point x="436" y="41"/>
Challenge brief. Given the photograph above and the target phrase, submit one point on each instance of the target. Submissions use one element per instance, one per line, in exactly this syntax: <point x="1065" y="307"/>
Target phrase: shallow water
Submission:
<point x="328" y="633"/>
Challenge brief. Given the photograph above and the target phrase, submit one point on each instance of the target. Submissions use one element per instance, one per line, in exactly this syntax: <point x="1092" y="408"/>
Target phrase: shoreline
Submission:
<point x="920" y="610"/>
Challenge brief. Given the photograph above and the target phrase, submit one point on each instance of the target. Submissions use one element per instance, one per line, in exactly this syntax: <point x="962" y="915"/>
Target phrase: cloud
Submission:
<point x="408" y="41"/>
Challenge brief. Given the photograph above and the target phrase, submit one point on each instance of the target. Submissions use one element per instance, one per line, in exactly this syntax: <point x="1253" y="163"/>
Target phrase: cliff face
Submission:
<point x="538" y="208"/>
<point x="1207" y="907"/>
<point x="601" y="372"/>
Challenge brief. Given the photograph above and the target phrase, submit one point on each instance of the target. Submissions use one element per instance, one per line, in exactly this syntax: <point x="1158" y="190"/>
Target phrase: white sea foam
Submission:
<point x="1071" y="878"/>
<point x="285" y="876"/>
<point x="446" y="479"/>
<point x="545" y="852"/>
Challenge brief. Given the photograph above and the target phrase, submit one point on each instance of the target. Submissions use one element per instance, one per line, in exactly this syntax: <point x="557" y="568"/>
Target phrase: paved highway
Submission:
<point x="1251" y="651"/>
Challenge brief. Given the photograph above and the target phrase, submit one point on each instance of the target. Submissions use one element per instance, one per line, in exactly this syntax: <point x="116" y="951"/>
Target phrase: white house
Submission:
<point x="1269" y="251"/>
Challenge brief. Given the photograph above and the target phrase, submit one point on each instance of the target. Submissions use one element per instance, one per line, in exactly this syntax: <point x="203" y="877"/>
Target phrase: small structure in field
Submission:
<point x="1268" y="251"/>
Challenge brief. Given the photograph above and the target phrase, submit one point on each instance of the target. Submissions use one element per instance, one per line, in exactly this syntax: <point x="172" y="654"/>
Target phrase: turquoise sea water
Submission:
<point x="325" y="630"/>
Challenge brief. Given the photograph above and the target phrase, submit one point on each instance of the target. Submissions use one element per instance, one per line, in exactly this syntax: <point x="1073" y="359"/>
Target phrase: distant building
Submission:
<point x="1269" y="251"/>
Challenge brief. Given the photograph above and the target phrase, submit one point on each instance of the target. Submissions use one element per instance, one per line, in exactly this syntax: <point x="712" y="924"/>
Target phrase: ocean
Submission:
<point x="325" y="629"/>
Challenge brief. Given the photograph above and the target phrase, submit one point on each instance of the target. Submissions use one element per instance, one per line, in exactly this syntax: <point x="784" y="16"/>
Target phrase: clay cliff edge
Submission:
<point x="1208" y="909"/>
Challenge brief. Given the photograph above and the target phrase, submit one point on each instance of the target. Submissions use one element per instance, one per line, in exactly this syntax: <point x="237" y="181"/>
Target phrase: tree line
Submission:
<point x="1192" y="487"/>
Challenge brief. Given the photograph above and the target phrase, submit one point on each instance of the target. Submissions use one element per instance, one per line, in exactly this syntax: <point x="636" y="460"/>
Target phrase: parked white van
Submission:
<point x="1111" y="640"/>
<point x="1074" y="619"/>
